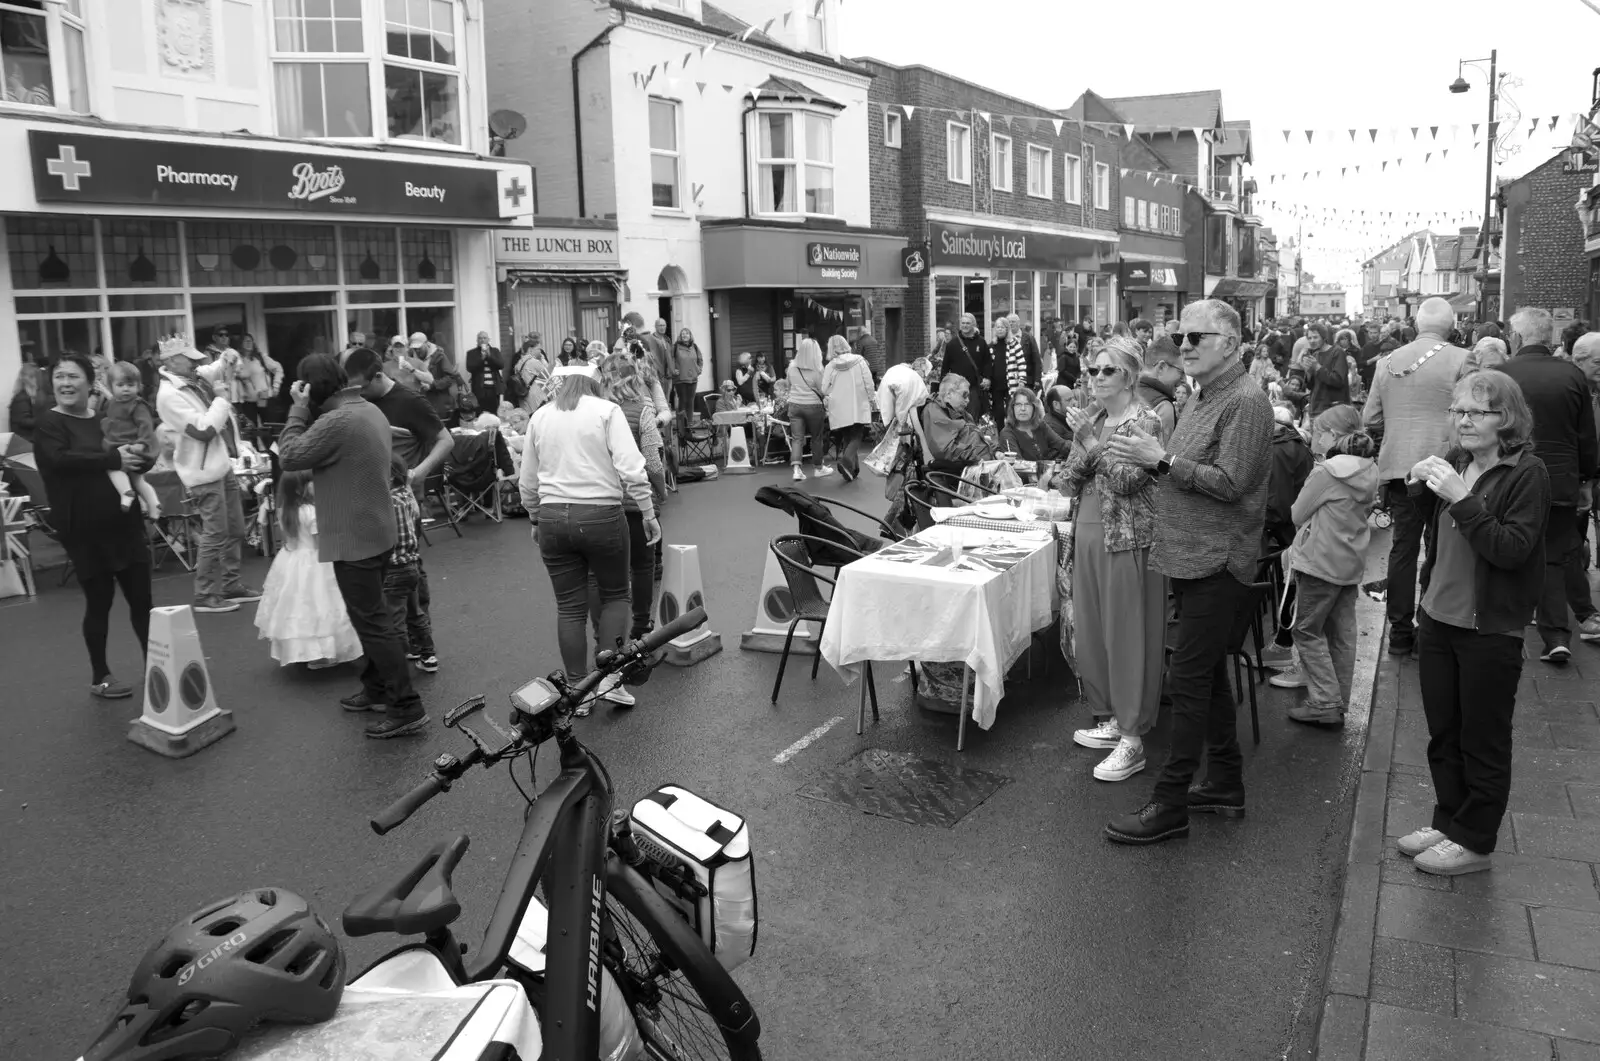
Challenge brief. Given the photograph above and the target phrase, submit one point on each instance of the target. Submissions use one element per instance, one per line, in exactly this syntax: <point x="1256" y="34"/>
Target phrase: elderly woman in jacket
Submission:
<point x="847" y="389"/>
<point x="1119" y="600"/>
<point x="953" y="440"/>
<point x="1480" y="585"/>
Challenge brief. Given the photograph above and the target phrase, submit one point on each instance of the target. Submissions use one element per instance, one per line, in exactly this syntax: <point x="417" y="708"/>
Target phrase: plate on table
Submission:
<point x="995" y="510"/>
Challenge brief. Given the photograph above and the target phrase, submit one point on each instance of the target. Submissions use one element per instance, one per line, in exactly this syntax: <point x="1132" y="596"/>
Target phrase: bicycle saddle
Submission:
<point x="417" y="901"/>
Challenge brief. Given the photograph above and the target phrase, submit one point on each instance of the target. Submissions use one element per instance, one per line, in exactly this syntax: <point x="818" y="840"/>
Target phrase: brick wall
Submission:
<point x="1546" y="265"/>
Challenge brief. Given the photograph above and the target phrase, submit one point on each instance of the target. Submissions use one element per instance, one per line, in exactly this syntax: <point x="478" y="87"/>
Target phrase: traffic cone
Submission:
<point x="682" y="591"/>
<point x="774" y="611"/>
<point x="181" y="715"/>
<point x="738" y="452"/>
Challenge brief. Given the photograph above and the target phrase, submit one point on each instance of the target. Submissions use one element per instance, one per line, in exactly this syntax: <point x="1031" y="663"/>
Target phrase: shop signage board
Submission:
<point x="1148" y="276"/>
<point x="1006" y="248"/>
<point x="586" y="248"/>
<point x="73" y="167"/>
<point x="914" y="261"/>
<point x="835" y="261"/>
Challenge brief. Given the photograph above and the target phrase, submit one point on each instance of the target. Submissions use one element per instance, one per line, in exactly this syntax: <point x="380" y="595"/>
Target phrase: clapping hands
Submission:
<point x="1136" y="447"/>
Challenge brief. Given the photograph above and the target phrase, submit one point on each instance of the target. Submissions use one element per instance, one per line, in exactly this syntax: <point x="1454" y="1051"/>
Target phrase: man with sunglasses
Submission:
<point x="1210" y="503"/>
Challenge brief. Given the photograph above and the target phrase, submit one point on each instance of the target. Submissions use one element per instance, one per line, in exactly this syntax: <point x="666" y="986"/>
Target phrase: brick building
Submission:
<point x="1542" y="256"/>
<point x="1016" y="204"/>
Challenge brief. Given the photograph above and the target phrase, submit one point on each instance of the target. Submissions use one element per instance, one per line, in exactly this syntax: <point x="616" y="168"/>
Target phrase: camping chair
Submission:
<point x="472" y="474"/>
<point x="777" y="431"/>
<point x="21" y="466"/>
<point x="177" y="532"/>
<point x="816" y="519"/>
<point x="1247" y="621"/>
<point x="697" y="442"/>
<point x="794" y="557"/>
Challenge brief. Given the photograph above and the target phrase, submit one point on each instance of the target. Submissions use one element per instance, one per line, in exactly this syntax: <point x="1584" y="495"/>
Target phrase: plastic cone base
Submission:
<point x="180" y="746"/>
<point x="691" y="649"/>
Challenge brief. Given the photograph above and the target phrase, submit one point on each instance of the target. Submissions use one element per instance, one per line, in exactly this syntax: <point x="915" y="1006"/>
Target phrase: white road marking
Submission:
<point x="805" y="742"/>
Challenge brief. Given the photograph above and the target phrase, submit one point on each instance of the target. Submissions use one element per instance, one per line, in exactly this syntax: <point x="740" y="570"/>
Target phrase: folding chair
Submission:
<point x="25" y="472"/>
<point x="697" y="442"/>
<point x="777" y="432"/>
<point x="473" y="473"/>
<point x="794" y="557"/>
<point x="177" y="532"/>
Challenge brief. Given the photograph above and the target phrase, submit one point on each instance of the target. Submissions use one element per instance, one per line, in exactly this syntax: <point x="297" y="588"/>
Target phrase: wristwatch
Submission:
<point x="1164" y="465"/>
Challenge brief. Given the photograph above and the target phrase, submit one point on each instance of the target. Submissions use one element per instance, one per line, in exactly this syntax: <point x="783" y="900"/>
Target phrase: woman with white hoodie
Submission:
<point x="847" y="389"/>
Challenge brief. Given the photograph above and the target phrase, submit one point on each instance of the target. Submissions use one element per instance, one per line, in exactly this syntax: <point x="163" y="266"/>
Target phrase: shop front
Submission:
<point x="1152" y="263"/>
<point x="120" y="238"/>
<point x="1150" y="290"/>
<point x="770" y="284"/>
<point x="562" y="279"/>
<point x="1042" y="273"/>
<point x="1246" y="296"/>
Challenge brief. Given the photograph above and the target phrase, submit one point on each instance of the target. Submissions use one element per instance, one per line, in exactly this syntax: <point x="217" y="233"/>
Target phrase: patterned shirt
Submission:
<point x="406" y="515"/>
<point x="1211" y="506"/>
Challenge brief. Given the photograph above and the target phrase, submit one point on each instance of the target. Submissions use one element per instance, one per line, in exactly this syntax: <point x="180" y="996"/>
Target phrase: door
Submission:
<point x="210" y="315"/>
<point x="546" y="309"/>
<point x="892" y="352"/>
<point x="597" y="322"/>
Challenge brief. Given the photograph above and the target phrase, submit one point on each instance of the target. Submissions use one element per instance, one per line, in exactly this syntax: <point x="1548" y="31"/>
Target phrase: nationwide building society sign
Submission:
<point x="835" y="261"/>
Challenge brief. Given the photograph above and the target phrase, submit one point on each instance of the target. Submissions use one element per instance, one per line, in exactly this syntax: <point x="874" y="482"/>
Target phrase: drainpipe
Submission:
<point x="744" y="152"/>
<point x="577" y="119"/>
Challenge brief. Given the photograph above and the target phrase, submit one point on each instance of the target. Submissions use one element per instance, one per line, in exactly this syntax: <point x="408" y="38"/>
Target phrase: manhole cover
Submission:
<point x="900" y="786"/>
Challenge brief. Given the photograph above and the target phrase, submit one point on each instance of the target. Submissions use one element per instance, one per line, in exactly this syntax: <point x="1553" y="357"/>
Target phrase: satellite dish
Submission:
<point x="505" y="125"/>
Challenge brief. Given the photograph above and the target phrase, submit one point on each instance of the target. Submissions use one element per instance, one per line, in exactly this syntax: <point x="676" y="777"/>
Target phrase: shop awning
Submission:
<point x="556" y="276"/>
<point x="1231" y="287"/>
<point x="1464" y="302"/>
<point x="753" y="254"/>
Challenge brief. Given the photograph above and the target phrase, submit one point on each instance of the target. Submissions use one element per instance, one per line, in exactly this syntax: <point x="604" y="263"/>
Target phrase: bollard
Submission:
<point x="682" y="591"/>
<point x="774" y="612"/>
<point x="181" y="715"/>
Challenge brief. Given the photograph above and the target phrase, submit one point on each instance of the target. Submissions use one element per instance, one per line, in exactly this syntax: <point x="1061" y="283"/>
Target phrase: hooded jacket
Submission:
<point x="953" y="440"/>
<point x="1563" y="423"/>
<point x="1162" y="401"/>
<point x="687" y="362"/>
<point x="1291" y="467"/>
<point x="847" y="391"/>
<point x="1332" y="512"/>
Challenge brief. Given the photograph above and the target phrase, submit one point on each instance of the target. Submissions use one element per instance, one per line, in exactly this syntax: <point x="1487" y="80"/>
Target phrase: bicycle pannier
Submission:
<point x="675" y="827"/>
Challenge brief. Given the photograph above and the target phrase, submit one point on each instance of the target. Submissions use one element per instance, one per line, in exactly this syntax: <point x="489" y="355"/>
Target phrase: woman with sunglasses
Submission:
<point x="1119" y="600"/>
<point x="1481" y="582"/>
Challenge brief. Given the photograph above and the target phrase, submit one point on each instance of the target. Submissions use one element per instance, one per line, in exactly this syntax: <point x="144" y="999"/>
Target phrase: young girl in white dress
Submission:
<point x="301" y="611"/>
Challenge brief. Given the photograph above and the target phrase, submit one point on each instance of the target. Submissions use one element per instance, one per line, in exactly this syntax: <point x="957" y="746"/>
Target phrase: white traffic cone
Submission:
<point x="682" y="591"/>
<point x="738" y="452"/>
<point x="181" y="715"/>
<point x="774" y="612"/>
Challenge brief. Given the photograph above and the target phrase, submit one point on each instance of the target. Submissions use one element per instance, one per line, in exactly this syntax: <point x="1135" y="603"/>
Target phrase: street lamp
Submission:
<point x="1458" y="86"/>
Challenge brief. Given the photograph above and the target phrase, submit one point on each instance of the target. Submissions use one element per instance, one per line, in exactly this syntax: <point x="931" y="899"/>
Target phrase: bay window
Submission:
<point x="794" y="163"/>
<point x="421" y="83"/>
<point x="42" y="60"/>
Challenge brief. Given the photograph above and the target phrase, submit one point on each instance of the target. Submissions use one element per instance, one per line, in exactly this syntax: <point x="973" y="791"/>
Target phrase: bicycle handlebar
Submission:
<point x="675" y="629"/>
<point x="408" y="804"/>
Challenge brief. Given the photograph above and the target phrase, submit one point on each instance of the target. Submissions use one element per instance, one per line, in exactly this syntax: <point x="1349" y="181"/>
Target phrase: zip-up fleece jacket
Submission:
<point x="1332" y="512"/>
<point x="197" y="460"/>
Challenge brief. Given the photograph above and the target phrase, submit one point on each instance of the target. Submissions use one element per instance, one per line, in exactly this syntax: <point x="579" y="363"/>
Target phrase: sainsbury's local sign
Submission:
<point x="1008" y="248"/>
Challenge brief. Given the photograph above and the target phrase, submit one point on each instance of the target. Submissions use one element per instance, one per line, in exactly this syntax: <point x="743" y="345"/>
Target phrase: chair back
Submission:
<point x="920" y="496"/>
<point x="794" y="553"/>
<point x="1256" y="593"/>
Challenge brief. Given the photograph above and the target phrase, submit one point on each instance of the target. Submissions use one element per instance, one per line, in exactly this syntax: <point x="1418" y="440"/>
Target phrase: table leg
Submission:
<point x="961" y="729"/>
<point x="861" y="709"/>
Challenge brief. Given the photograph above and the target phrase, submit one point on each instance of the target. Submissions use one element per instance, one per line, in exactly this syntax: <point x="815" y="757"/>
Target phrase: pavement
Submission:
<point x="1017" y="932"/>
<point x="1503" y="964"/>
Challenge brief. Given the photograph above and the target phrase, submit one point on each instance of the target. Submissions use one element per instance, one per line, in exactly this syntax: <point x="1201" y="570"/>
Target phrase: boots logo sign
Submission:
<point x="311" y="183"/>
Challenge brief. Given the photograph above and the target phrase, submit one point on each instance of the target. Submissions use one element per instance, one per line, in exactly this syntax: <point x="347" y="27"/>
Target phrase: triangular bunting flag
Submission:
<point x="1286" y="134"/>
<point x="1123" y="173"/>
<point x="1494" y="129"/>
<point x="635" y="76"/>
<point x="817" y="10"/>
<point x="1433" y="131"/>
<point x="1341" y="171"/>
<point x="984" y="115"/>
<point x="1308" y="135"/>
<point x="686" y="57"/>
<point x="1427" y="156"/>
<point x="1553" y="119"/>
<point x="1397" y="162"/>
<point x="701" y="85"/>
<point x="787" y="15"/>
<point x="1414" y="129"/>
<point x="1058" y="123"/>
<point x="1197" y="131"/>
<point x="767" y="26"/>
<point x="1445" y="153"/>
<point x="1352" y="136"/>
<point x="1128" y="130"/>
<point x="727" y="88"/>
<point x="1386" y="167"/>
<point x="1374" y="134"/>
<point x="910" y="110"/>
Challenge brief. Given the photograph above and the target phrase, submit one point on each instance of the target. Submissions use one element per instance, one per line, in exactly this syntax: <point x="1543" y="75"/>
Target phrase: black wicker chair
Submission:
<point x="794" y="557"/>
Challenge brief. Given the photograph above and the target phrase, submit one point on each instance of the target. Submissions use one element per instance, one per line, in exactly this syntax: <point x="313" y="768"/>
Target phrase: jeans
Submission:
<point x="1325" y="634"/>
<point x="806" y="420"/>
<point x="1408" y="515"/>
<point x="577" y="541"/>
<point x="1469" y="690"/>
<point x="404" y="586"/>
<point x="683" y="397"/>
<point x="1203" y="708"/>
<point x="98" y="593"/>
<point x="847" y="440"/>
<point x="1562" y="540"/>
<point x="641" y="577"/>
<point x="386" y="676"/>
<point x="221" y="511"/>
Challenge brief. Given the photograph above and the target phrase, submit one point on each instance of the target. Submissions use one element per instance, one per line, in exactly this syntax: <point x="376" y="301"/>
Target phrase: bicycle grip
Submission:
<point x="407" y="805"/>
<point x="677" y="628"/>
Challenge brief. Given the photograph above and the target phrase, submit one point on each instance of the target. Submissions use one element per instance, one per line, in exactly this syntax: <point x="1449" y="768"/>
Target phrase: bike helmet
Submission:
<point x="263" y="955"/>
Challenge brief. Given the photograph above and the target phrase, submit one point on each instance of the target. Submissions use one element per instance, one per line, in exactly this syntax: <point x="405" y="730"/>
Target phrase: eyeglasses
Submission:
<point x="1195" y="338"/>
<point x="1474" y="415"/>
<point x="1104" y="371"/>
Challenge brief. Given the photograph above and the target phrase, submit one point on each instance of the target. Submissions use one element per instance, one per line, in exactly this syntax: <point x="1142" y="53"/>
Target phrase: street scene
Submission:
<point x="653" y="529"/>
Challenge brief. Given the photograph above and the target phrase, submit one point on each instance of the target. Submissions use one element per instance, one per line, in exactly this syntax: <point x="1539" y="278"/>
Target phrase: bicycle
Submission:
<point x="604" y="908"/>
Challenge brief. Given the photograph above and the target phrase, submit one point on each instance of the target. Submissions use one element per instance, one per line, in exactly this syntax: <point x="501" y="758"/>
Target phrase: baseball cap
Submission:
<point x="179" y="346"/>
<point x="418" y="339"/>
<point x="397" y="340"/>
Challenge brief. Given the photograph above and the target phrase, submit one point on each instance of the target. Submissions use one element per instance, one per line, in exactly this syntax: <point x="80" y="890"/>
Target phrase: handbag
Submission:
<point x="885" y="454"/>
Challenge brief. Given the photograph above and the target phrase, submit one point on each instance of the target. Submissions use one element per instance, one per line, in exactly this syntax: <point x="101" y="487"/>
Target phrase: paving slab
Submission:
<point x="1395" y="1034"/>
<point x="1557" y="837"/>
<point x="1398" y="869"/>
<point x="1585" y="800"/>
<point x="1414" y="975"/>
<point x="1534" y="996"/>
<point x="1567" y="1050"/>
<point x="1579" y="736"/>
<point x="1556" y="709"/>
<point x="1534" y="881"/>
<point x="1548" y="798"/>
<point x="1567" y="937"/>
<point x="1561" y="765"/>
<point x="1458" y="921"/>
<point x="1405" y="816"/>
<point x="1342" y="1029"/>
<point x="1562" y="690"/>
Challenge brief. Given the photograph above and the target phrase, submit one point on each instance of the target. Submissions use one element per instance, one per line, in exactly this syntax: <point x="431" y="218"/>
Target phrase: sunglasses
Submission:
<point x="1104" y="372"/>
<point x="1195" y="338"/>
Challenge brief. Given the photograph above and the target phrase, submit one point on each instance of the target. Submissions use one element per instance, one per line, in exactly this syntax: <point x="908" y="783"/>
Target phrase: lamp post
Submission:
<point x="1458" y="86"/>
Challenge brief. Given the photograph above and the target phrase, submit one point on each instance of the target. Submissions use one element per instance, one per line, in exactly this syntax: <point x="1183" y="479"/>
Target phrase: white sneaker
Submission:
<point x="799" y="476"/>
<point x="612" y="690"/>
<point x="1293" y="678"/>
<point x="1105" y="735"/>
<point x="823" y="470"/>
<point x="1413" y="844"/>
<point x="1125" y="760"/>
<point x="1275" y="657"/>
<point x="1449" y="859"/>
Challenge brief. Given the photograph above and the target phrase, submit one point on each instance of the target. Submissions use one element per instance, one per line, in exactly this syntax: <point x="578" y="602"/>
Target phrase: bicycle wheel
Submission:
<point x="674" y="985"/>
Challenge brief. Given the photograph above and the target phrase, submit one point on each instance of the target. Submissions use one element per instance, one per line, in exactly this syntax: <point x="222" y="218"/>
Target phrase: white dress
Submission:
<point x="301" y="611"/>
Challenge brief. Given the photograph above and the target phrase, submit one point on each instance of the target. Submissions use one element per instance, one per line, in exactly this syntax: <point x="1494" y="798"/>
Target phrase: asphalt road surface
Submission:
<point x="1017" y="933"/>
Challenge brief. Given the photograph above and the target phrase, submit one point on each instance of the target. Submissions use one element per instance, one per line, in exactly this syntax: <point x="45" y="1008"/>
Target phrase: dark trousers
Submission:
<point x="1203" y="709"/>
<point x="847" y="440"/>
<point x="1409" y="515"/>
<point x="641" y="578"/>
<point x="1469" y="690"/>
<point x="98" y="593"/>
<point x="404" y="585"/>
<point x="386" y="676"/>
<point x="1563" y="575"/>
<point x="683" y="398"/>
<point x="1579" y="598"/>
<point x="577" y="541"/>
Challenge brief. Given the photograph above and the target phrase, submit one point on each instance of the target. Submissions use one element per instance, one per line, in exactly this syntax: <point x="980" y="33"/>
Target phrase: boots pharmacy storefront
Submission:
<point x="1040" y="273"/>
<point x="119" y="238"/>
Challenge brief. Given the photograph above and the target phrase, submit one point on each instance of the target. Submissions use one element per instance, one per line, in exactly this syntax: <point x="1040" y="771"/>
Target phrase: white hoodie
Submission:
<point x="197" y="461"/>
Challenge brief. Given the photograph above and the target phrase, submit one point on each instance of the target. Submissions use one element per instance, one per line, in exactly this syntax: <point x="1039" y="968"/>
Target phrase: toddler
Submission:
<point x="129" y="422"/>
<point x="302" y="611"/>
<point x="1327" y="561"/>
<point x="405" y="584"/>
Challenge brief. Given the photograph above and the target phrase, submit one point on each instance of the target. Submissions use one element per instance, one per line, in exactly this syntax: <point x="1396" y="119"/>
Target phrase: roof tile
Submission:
<point x="1185" y="109"/>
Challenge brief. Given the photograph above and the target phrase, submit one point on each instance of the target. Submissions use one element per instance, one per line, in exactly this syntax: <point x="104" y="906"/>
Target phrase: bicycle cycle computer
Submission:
<point x="535" y="697"/>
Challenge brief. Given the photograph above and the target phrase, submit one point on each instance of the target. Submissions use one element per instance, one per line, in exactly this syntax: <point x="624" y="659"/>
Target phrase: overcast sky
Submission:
<point x="1284" y="65"/>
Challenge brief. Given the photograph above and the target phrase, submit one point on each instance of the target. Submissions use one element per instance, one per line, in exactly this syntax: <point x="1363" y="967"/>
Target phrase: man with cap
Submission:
<point x="405" y="370"/>
<point x="446" y="386"/>
<point x="208" y="441"/>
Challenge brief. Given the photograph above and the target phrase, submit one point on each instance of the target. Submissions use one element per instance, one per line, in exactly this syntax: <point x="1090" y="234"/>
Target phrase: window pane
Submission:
<point x="777" y="189"/>
<point x="443" y="106"/>
<point x="775" y="138"/>
<point x="422" y="105"/>
<point x="664" y="181"/>
<point x="51" y="252"/>
<point x="319" y="36"/>
<point x="816" y="34"/>
<point x="347" y="9"/>
<point x="444" y="29"/>
<point x="44" y="341"/>
<point x="347" y="36"/>
<point x="999" y="298"/>
<point x="323" y="99"/>
<point x="349" y="105"/>
<point x="317" y="8"/>
<point x="663" y="125"/>
<point x="24" y="59"/>
<point x="77" y="70"/>
<point x="369" y="254"/>
<point x="819" y="190"/>
<point x="140" y="253"/>
<point x="819" y="138"/>
<point x="426" y="254"/>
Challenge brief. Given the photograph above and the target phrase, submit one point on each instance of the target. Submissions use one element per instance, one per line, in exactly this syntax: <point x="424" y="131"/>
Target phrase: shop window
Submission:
<point x="52" y="252"/>
<point x="892" y="129"/>
<point x="425" y="254"/>
<point x="1039" y="171"/>
<point x="1072" y="177"/>
<point x="43" y="341"/>
<point x="133" y="335"/>
<point x="665" y="160"/>
<point x="260" y="254"/>
<point x="1000" y="163"/>
<point x="141" y="253"/>
<point x="32" y="73"/>
<point x="999" y="299"/>
<point x="958" y="149"/>
<point x="1102" y="186"/>
<point x="790" y="177"/>
<point x="371" y="255"/>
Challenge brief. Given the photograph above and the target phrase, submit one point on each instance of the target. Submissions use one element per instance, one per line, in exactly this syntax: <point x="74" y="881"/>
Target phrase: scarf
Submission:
<point x="1016" y="364"/>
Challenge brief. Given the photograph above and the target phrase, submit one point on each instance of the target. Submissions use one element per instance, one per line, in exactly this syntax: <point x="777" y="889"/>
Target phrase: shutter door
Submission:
<point x="752" y="326"/>
<point x="543" y="308"/>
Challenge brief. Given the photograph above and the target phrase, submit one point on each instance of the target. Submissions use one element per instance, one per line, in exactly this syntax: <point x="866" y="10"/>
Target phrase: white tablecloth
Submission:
<point x="897" y="609"/>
